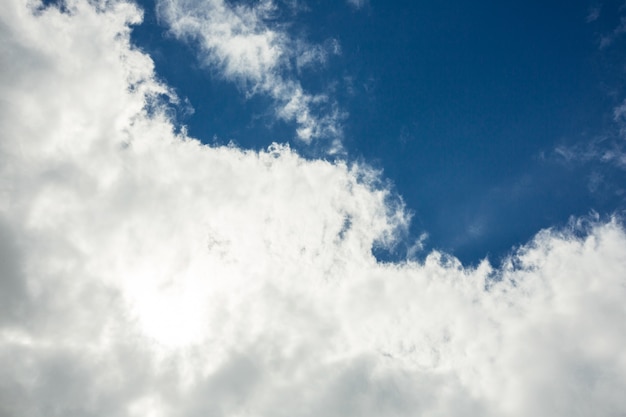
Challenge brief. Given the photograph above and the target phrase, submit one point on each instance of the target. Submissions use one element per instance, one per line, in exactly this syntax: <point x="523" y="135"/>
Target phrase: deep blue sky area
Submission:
<point x="463" y="105"/>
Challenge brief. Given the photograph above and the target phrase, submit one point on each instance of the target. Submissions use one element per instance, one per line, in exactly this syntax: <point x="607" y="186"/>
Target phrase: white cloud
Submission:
<point x="246" y="48"/>
<point x="145" y="274"/>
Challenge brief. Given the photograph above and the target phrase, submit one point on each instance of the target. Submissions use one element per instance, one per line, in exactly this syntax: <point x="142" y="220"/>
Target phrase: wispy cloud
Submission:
<point x="145" y="274"/>
<point x="358" y="3"/>
<point x="608" y="39"/>
<point x="247" y="45"/>
<point x="594" y="13"/>
<point x="608" y="149"/>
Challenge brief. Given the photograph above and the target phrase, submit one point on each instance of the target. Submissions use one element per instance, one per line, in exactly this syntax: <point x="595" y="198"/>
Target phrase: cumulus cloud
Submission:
<point x="243" y="44"/>
<point x="146" y="274"/>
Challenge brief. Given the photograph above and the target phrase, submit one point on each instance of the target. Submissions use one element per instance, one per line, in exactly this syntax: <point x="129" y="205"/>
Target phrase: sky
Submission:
<point x="463" y="107"/>
<point x="289" y="207"/>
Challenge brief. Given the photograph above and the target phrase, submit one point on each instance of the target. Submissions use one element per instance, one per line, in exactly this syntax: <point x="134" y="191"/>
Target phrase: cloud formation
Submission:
<point x="245" y="47"/>
<point x="145" y="274"/>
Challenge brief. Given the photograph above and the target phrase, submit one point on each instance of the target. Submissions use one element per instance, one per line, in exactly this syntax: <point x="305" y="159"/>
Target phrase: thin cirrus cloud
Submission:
<point x="146" y="274"/>
<point x="241" y="43"/>
<point x="608" y="149"/>
<point x="357" y="4"/>
<point x="605" y="153"/>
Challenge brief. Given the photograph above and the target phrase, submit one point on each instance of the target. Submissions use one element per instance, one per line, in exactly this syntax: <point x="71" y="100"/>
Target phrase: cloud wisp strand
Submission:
<point x="241" y="43"/>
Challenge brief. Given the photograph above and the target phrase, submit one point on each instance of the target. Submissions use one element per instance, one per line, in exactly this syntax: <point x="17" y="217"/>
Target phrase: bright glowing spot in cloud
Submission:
<point x="144" y="273"/>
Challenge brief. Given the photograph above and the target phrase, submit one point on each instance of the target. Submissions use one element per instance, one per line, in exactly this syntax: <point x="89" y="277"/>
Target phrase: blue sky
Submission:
<point x="299" y="208"/>
<point x="463" y="106"/>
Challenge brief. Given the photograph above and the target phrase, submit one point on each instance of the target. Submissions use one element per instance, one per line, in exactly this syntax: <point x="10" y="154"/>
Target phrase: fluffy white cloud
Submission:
<point x="145" y="274"/>
<point x="240" y="42"/>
